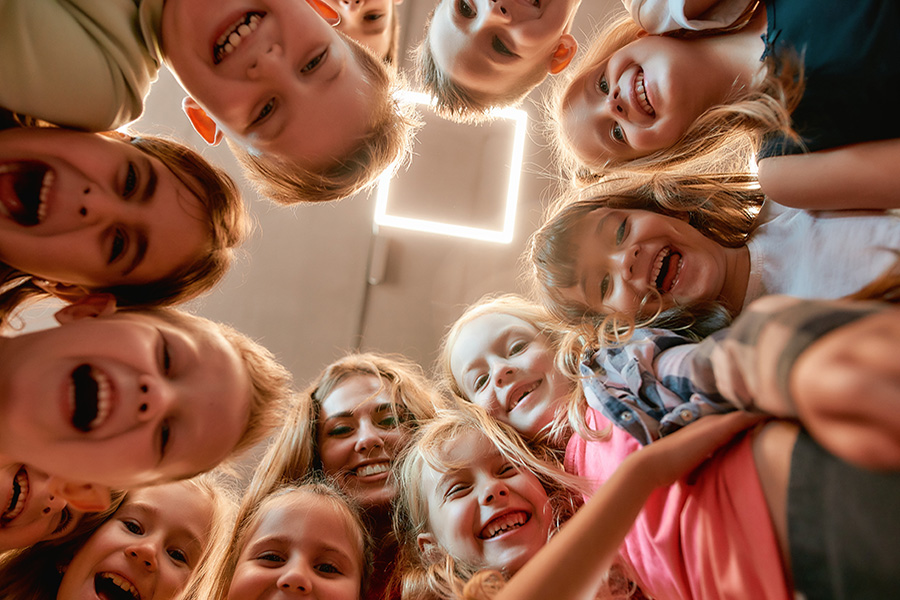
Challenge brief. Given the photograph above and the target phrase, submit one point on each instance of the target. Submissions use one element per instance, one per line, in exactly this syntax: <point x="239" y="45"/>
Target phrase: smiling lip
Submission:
<point x="235" y="34"/>
<point x="504" y="523"/>
<point x="518" y="393"/>
<point x="110" y="585"/>
<point x="373" y="469"/>
<point x="641" y="95"/>
<point x="90" y="397"/>
<point x="666" y="269"/>
<point x="25" y="187"/>
<point x="20" y="489"/>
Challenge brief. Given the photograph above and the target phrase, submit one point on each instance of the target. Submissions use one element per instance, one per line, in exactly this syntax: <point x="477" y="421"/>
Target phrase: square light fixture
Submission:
<point x="474" y="158"/>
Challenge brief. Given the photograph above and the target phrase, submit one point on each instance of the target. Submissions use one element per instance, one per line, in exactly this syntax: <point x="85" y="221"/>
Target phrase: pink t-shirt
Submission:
<point x="705" y="538"/>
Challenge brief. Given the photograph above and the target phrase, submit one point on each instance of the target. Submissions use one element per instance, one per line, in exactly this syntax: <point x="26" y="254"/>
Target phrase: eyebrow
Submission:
<point x="146" y="197"/>
<point x="381" y="407"/>
<point x="582" y="284"/>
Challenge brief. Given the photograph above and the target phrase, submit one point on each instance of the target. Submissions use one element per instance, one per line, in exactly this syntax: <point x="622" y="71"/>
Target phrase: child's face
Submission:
<point x="85" y="209"/>
<point x="287" y="85"/>
<point x="504" y="365"/>
<point x="30" y="512"/>
<point x="148" y="549"/>
<point x="303" y="545"/>
<point x="622" y="255"/>
<point x="122" y="400"/>
<point x="369" y="22"/>
<point x="643" y="99"/>
<point x="489" y="46"/>
<point x="488" y="513"/>
<point x="358" y="437"/>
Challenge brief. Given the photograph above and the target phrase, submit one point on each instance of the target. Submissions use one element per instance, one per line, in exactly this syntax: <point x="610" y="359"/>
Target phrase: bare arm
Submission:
<point x="574" y="563"/>
<point x="859" y="176"/>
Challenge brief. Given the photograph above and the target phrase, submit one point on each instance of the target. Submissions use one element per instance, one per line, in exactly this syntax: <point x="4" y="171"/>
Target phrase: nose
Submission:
<point x="368" y="437"/>
<point x="494" y="491"/>
<point x="503" y="374"/>
<point x="268" y="64"/>
<point x="624" y="260"/>
<point x="100" y="205"/>
<point x="295" y="579"/>
<point x="155" y="397"/>
<point x="351" y="5"/>
<point x="144" y="552"/>
<point x="54" y="503"/>
<point x="617" y="105"/>
<point x="499" y="10"/>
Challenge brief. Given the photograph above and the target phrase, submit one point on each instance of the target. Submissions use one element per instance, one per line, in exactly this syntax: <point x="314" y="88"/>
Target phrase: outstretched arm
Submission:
<point x="859" y="176"/>
<point x="574" y="563"/>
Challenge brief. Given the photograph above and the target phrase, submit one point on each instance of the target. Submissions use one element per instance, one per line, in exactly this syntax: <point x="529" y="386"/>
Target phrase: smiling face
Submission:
<point x="304" y="544"/>
<point x="491" y="46"/>
<point x="358" y="437"/>
<point x="147" y="550"/>
<point x="622" y="256"/>
<point x="272" y="74"/>
<point x="30" y="512"/>
<point x="85" y="209"/>
<point x="485" y="511"/>
<point x="369" y="22"/>
<point x="124" y="400"/>
<point x="505" y="365"/>
<point x="643" y="99"/>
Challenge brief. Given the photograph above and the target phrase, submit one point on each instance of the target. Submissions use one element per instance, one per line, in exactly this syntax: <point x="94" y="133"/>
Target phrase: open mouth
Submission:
<point x="112" y="586"/>
<point x="519" y="394"/>
<point x="504" y="523"/>
<point x="19" y="496"/>
<point x="24" y="187"/>
<point x="89" y="398"/>
<point x="235" y="34"/>
<point x="666" y="269"/>
<point x="373" y="469"/>
<point x="640" y="92"/>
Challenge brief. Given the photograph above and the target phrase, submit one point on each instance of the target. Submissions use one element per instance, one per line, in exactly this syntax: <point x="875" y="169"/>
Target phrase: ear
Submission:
<point x="86" y="497"/>
<point x="325" y="11"/>
<point x="63" y="291"/>
<point x="427" y="544"/>
<point x="91" y="305"/>
<point x="564" y="54"/>
<point x="202" y="122"/>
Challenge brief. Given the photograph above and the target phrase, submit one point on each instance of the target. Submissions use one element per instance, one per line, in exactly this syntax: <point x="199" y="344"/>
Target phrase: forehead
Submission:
<point x="476" y="337"/>
<point x="180" y="506"/>
<point x="467" y="450"/>
<point x="353" y="392"/>
<point x="290" y="516"/>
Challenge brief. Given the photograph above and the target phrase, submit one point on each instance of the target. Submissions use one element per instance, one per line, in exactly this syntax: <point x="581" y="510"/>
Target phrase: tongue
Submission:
<point x="20" y="191"/>
<point x="670" y="268"/>
<point x="86" y="390"/>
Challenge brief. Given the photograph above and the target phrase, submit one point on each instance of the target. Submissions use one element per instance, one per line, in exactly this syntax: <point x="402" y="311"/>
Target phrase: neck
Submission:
<point x="737" y="276"/>
<point x="735" y="57"/>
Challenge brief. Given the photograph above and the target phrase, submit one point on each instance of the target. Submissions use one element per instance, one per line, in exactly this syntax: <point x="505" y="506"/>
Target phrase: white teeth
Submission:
<point x="657" y="264"/>
<point x="642" y="94"/>
<point x="103" y="398"/>
<point x="503" y="524"/>
<point x="122" y="583"/>
<point x="46" y="184"/>
<point x="15" y="509"/>
<point x="522" y="394"/>
<point x="373" y="469"/>
<point x="232" y="38"/>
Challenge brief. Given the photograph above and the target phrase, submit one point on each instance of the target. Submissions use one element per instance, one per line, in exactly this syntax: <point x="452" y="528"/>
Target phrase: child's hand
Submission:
<point x="674" y="456"/>
<point x="846" y="387"/>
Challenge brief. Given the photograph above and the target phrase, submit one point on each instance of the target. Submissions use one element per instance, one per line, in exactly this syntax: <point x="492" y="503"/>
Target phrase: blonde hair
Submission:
<point x="722" y="208"/>
<point x="214" y="580"/>
<point x="227" y="224"/>
<point x="437" y="574"/>
<point x="722" y="139"/>
<point x="458" y="103"/>
<point x="385" y="146"/>
<point x="530" y="312"/>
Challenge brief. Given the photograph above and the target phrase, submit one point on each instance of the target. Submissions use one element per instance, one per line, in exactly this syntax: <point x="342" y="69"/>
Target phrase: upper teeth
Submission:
<point x="657" y="265"/>
<point x="373" y="469"/>
<point x="504" y="523"/>
<point x="122" y="583"/>
<point x="232" y="37"/>
<point x="103" y="400"/>
<point x="518" y="398"/>
<point x="20" y="493"/>
<point x="49" y="177"/>
<point x="642" y="94"/>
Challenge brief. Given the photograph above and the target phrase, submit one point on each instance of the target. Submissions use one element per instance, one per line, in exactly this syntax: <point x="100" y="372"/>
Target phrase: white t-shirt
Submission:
<point x="660" y="16"/>
<point x="826" y="254"/>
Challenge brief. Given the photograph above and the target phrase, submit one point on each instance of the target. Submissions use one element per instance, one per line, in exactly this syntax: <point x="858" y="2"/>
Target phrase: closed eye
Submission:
<point x="328" y="568"/>
<point x="264" y="112"/>
<point x="500" y="48"/>
<point x="118" y="246"/>
<point x="339" y="430"/>
<point x="456" y="489"/>
<point x="604" y="287"/>
<point x="373" y="16"/>
<point x="65" y="517"/>
<point x="131" y="181"/>
<point x="315" y="62"/>
<point x="620" y="232"/>
<point x="165" y="434"/>
<point x="270" y="557"/>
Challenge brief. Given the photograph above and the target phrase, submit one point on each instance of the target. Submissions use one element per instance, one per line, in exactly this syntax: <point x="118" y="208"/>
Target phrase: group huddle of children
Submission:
<point x="700" y="402"/>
